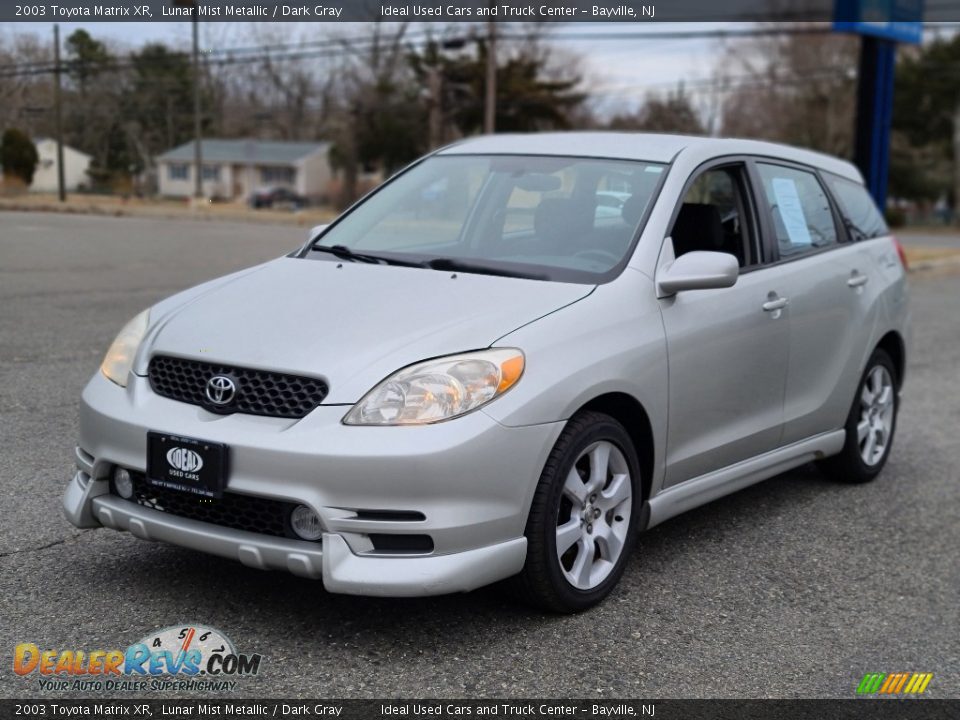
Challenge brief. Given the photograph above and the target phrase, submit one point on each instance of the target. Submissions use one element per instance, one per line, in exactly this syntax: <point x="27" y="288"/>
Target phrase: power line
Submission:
<point x="322" y="48"/>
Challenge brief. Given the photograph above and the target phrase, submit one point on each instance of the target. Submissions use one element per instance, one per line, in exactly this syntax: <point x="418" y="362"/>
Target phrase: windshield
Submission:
<point x="553" y="218"/>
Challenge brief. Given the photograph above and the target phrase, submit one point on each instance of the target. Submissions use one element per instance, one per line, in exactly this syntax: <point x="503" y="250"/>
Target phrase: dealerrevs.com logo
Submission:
<point x="180" y="657"/>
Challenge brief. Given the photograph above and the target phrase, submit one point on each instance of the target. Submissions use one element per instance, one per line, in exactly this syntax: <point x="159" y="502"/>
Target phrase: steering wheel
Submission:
<point x="599" y="255"/>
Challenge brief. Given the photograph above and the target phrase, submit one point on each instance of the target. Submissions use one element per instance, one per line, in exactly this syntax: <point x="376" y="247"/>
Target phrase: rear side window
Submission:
<point x="860" y="213"/>
<point x="801" y="213"/>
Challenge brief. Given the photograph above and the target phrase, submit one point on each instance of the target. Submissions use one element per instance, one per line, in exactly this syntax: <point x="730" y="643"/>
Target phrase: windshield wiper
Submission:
<point x="345" y="253"/>
<point x="454" y="265"/>
<point x="441" y="263"/>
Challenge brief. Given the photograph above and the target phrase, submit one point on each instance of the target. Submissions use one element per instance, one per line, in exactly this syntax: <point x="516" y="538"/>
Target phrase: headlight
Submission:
<point x="119" y="359"/>
<point x="440" y="389"/>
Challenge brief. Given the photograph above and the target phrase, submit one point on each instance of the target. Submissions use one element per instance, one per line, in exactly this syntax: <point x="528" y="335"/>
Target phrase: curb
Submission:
<point x="924" y="265"/>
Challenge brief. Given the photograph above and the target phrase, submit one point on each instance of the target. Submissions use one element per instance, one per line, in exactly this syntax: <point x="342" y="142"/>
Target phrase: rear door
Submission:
<point x="825" y="278"/>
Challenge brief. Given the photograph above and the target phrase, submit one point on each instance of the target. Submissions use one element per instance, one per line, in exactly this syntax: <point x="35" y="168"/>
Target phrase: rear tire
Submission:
<point x="870" y="426"/>
<point x="583" y="519"/>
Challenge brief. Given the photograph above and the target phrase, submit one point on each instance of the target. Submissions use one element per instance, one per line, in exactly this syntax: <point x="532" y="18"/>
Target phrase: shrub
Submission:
<point x="18" y="155"/>
<point x="896" y="217"/>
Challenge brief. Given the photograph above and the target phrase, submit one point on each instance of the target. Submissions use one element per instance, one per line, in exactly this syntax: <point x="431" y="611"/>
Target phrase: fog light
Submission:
<point x="123" y="483"/>
<point x="306" y="523"/>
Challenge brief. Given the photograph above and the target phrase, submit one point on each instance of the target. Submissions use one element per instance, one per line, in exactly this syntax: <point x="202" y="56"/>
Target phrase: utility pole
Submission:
<point x="956" y="163"/>
<point x="435" y="116"/>
<point x="58" y="117"/>
<point x="490" y="106"/>
<point x="197" y="138"/>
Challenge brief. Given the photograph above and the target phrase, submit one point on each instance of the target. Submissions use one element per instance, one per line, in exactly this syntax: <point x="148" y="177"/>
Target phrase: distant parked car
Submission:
<point x="277" y="197"/>
<point x="610" y="205"/>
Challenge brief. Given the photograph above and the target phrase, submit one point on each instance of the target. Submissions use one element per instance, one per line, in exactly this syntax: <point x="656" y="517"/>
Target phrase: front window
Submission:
<point x="556" y="218"/>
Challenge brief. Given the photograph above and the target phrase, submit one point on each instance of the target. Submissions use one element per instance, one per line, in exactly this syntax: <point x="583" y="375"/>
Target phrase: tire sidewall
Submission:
<point x="611" y="431"/>
<point x="865" y="471"/>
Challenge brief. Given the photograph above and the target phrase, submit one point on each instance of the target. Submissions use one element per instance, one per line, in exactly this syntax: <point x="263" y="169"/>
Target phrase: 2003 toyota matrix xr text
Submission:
<point x="506" y="362"/>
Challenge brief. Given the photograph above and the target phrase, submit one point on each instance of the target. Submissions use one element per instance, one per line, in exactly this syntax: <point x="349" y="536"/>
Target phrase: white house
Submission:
<point x="236" y="168"/>
<point x="75" y="166"/>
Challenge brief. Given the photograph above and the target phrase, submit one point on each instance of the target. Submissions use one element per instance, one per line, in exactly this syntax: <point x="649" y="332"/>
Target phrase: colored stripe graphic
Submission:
<point x="889" y="683"/>
<point x="870" y="683"/>
<point x="894" y="683"/>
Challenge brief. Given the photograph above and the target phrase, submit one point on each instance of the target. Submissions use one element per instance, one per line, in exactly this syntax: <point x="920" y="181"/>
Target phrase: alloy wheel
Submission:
<point x="594" y="515"/>
<point x="876" y="415"/>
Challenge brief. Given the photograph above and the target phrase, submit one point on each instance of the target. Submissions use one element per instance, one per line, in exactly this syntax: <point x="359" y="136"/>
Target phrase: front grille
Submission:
<point x="258" y="392"/>
<point x="240" y="512"/>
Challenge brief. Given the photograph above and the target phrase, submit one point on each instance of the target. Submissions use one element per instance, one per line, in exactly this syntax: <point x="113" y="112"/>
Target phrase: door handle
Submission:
<point x="858" y="279"/>
<point x="776" y="304"/>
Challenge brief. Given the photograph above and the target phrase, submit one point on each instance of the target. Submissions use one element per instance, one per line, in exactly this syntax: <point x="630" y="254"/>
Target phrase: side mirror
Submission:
<point x="698" y="270"/>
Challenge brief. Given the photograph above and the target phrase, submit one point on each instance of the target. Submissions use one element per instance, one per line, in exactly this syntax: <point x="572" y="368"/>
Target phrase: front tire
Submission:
<point x="870" y="425"/>
<point x="583" y="519"/>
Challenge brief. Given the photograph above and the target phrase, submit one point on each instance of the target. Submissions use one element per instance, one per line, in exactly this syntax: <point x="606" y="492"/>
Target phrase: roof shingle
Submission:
<point x="261" y="152"/>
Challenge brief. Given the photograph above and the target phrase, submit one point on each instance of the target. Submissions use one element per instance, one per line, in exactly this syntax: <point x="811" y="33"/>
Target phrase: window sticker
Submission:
<point x="653" y="169"/>
<point x="791" y="211"/>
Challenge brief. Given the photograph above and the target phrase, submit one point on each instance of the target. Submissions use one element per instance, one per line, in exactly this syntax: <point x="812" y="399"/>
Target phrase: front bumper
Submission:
<point x="342" y="571"/>
<point x="472" y="480"/>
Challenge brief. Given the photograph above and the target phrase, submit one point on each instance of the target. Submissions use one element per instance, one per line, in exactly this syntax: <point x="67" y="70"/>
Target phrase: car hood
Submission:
<point x="349" y="323"/>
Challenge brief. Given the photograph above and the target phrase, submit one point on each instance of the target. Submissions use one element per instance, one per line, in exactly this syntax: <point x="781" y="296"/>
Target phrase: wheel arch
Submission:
<point x="630" y="413"/>
<point x="892" y="343"/>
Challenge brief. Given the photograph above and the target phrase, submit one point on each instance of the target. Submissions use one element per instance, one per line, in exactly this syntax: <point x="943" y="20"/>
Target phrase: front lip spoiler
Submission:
<point x="262" y="552"/>
<point x="87" y="503"/>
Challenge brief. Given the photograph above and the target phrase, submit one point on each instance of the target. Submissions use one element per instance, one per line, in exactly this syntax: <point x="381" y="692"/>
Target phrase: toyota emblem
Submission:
<point x="221" y="390"/>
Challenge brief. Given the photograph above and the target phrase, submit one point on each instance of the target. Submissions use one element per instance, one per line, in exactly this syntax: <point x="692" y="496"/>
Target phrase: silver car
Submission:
<point x="473" y="375"/>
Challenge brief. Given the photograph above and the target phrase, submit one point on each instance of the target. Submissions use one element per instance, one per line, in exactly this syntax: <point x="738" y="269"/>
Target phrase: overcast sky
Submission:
<point x="618" y="73"/>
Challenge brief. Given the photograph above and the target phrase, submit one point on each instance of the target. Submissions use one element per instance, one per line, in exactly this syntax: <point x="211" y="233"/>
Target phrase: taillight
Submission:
<point x="901" y="253"/>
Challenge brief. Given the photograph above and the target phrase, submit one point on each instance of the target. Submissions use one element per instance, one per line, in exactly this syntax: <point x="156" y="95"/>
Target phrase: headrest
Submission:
<point x="558" y="220"/>
<point x="633" y="208"/>
<point x="698" y="227"/>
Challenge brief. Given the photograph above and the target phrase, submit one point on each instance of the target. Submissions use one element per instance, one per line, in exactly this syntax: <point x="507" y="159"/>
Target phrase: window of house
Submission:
<point x="211" y="172"/>
<point x="178" y="171"/>
<point x="277" y="175"/>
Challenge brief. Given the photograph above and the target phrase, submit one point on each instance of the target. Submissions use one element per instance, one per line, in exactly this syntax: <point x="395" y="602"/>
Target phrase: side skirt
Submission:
<point x="706" y="488"/>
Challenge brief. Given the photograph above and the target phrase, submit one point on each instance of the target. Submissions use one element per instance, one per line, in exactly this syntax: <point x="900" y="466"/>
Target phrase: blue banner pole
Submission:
<point x="875" y="114"/>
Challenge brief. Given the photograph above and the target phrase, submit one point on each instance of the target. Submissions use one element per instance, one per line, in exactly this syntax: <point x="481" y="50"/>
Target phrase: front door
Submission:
<point x="727" y="348"/>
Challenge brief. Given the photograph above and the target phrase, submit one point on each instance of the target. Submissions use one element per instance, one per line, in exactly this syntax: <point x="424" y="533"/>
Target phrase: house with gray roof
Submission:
<point x="234" y="169"/>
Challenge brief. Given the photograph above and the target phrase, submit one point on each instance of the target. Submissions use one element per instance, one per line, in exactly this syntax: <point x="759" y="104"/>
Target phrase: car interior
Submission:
<point x="712" y="217"/>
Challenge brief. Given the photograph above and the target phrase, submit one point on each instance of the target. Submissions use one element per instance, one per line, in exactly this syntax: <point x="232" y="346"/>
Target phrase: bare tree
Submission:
<point x="797" y="88"/>
<point x="26" y="98"/>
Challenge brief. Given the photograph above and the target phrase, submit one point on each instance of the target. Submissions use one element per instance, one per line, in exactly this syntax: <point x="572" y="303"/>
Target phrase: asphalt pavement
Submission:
<point x="792" y="588"/>
<point x="914" y="238"/>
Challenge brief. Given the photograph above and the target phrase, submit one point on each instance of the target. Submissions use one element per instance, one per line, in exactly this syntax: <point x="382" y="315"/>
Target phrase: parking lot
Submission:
<point x="792" y="588"/>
